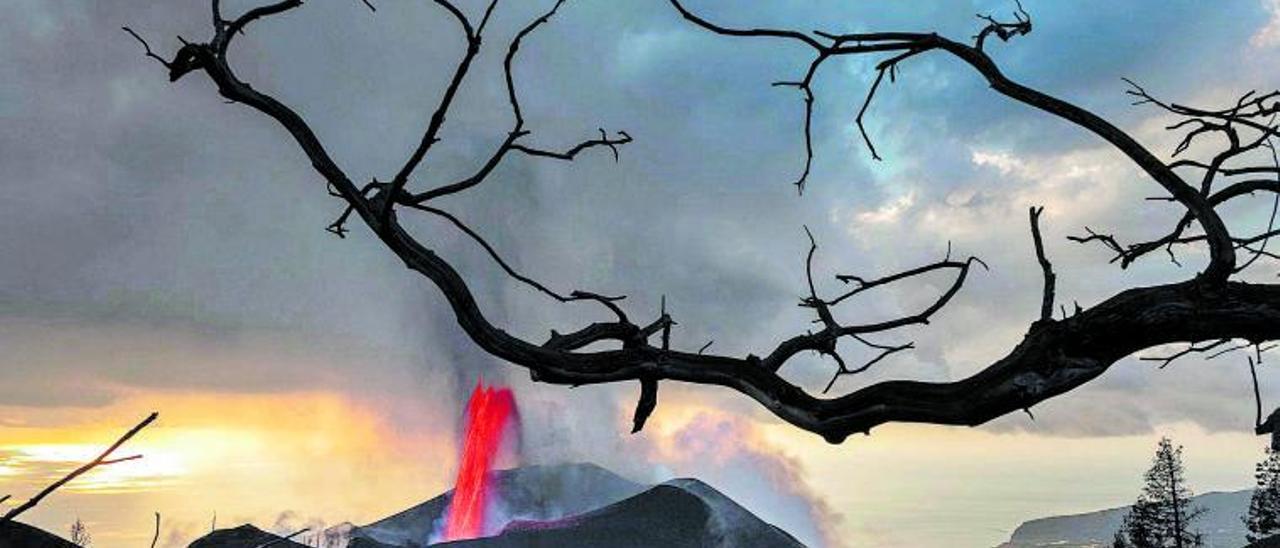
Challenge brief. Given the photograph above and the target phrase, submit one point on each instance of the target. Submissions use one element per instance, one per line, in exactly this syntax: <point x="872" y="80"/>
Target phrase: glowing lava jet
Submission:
<point x="491" y="413"/>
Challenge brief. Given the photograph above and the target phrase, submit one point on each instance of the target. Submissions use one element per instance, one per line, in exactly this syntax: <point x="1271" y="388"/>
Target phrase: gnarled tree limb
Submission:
<point x="1053" y="358"/>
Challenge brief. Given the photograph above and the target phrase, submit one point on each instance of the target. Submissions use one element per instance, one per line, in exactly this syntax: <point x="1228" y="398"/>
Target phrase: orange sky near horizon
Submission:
<point x="285" y="461"/>
<point x="248" y="458"/>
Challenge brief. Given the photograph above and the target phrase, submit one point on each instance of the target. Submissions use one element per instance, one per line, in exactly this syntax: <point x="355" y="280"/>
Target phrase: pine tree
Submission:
<point x="1138" y="529"/>
<point x="1163" y="516"/>
<point x="1264" y="508"/>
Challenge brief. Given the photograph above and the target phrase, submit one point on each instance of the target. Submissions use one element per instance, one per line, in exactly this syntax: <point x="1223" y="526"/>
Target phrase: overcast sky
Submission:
<point x="158" y="242"/>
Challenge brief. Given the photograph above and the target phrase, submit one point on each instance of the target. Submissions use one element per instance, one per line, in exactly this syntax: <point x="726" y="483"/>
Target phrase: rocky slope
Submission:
<point x="244" y="536"/>
<point x="531" y="493"/>
<point x="677" y="514"/>
<point x="21" y="535"/>
<point x="585" y="506"/>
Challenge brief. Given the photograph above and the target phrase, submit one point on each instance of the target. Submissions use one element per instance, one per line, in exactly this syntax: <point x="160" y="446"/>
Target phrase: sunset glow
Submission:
<point x="247" y="458"/>
<point x="250" y="458"/>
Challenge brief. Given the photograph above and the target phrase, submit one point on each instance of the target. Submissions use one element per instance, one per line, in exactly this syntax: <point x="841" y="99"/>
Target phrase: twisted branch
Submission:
<point x="1053" y="358"/>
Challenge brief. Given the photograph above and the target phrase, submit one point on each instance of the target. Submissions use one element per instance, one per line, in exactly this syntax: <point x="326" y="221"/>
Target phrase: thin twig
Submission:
<point x="147" y="48"/>
<point x="1257" y="394"/>
<point x="1046" y="304"/>
<point x="1190" y="349"/>
<point x="608" y="302"/>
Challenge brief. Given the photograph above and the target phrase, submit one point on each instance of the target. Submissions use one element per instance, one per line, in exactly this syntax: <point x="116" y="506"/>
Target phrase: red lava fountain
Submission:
<point x="490" y="413"/>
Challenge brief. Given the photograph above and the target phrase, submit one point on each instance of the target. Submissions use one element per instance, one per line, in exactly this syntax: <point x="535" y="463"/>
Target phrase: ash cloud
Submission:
<point x="729" y="453"/>
<point x="726" y="450"/>
<point x="133" y="201"/>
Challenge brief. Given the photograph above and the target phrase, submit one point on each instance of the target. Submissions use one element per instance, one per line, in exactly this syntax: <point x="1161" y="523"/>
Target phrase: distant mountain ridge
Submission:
<point x="1221" y="525"/>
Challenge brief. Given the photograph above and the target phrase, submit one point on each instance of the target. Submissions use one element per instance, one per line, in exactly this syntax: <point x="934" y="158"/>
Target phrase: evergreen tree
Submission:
<point x="1264" y="508"/>
<point x="1138" y="529"/>
<point x="1162" y="517"/>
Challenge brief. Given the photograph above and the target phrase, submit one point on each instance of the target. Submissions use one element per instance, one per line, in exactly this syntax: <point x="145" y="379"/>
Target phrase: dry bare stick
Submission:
<point x="102" y="460"/>
<point x="1257" y="394"/>
<point x="1046" y="305"/>
<point x="1269" y="426"/>
<point x="156" y="536"/>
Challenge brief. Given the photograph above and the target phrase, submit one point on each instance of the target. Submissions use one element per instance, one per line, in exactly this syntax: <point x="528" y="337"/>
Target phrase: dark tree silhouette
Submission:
<point x="1213" y="308"/>
<point x="1137" y="529"/>
<point x="1263" y="519"/>
<point x="79" y="534"/>
<point x="1163" y="515"/>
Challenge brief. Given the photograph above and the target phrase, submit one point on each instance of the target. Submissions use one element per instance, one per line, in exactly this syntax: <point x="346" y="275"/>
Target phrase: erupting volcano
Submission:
<point x="491" y="412"/>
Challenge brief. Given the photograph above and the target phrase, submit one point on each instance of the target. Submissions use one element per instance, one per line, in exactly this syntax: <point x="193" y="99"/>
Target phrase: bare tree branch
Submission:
<point x="797" y="36"/>
<point x="1222" y="253"/>
<point x="891" y="66"/>
<point x="648" y="402"/>
<point x="102" y="459"/>
<point x="430" y="137"/>
<point x="518" y="130"/>
<point x="576" y="295"/>
<point x="1190" y="349"/>
<point x="1020" y="26"/>
<point x="1261" y="250"/>
<point x="1046" y="304"/>
<point x="1245" y="127"/>
<point x="1229" y="350"/>
<point x="147" y="47"/>
<point x="571" y="153"/>
<point x="237" y="26"/>
<point x="825" y="341"/>
<point x="1257" y="395"/>
<point x="1054" y="357"/>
